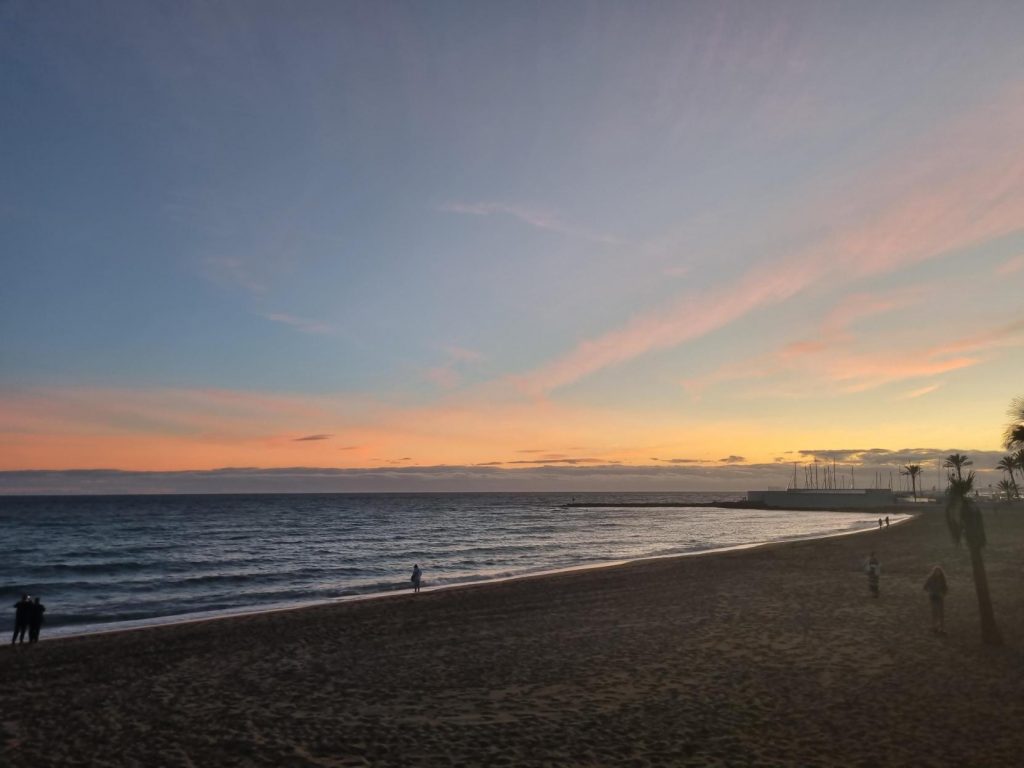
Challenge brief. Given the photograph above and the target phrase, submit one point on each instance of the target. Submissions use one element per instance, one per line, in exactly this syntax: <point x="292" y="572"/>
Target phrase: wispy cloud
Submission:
<point x="463" y="355"/>
<point x="920" y="392"/>
<point x="448" y="375"/>
<point x="862" y="305"/>
<point x="311" y="437"/>
<point x="962" y="187"/>
<point x="1011" y="266"/>
<point x="233" y="272"/>
<point x="531" y="217"/>
<point x="443" y="376"/>
<point x="691" y="318"/>
<point x="837" y="368"/>
<point x="303" y="324"/>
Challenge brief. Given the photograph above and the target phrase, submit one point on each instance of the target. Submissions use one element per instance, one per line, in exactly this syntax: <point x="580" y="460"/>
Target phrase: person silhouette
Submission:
<point x="417" y="577"/>
<point x="936" y="588"/>
<point x="35" y="619"/>
<point x="22" y="608"/>
<point x="874" y="571"/>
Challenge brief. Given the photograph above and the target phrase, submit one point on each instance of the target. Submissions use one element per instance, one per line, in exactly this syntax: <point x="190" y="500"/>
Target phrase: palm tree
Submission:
<point x="1007" y="489"/>
<point x="912" y="470"/>
<point x="1009" y="465"/>
<point x="1014" y="435"/>
<point x="965" y="522"/>
<point x="957" y="461"/>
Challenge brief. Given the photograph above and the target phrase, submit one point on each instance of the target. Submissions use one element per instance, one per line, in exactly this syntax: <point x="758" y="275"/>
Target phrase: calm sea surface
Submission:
<point x="102" y="562"/>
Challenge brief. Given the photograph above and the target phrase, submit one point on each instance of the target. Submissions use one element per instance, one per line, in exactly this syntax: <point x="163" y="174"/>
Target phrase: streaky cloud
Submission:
<point x="303" y="324"/>
<point x="536" y="219"/>
<point x="914" y="207"/>
<point x="920" y="392"/>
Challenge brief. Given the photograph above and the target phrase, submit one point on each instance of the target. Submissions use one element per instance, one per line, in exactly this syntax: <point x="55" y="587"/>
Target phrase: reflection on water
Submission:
<point x="112" y="559"/>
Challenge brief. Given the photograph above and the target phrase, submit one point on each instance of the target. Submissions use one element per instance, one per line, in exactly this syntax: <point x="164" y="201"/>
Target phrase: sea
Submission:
<point x="111" y="562"/>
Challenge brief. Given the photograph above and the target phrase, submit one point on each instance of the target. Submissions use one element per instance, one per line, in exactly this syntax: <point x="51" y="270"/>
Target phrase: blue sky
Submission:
<point x="599" y="230"/>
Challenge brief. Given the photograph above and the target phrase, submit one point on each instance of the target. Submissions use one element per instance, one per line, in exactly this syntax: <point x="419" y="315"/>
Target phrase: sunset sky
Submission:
<point x="491" y="245"/>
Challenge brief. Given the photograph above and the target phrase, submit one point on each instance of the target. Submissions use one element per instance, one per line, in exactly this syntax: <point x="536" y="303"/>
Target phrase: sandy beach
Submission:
<point x="776" y="655"/>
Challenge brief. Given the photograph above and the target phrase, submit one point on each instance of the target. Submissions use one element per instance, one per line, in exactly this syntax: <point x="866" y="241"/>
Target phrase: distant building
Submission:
<point x="816" y="498"/>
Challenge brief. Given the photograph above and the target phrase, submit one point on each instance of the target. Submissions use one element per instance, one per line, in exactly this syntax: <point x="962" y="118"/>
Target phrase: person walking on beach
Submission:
<point x="417" y="577"/>
<point x="35" y="619"/>
<point x="886" y="521"/>
<point x="22" y="608"/>
<point x="936" y="588"/>
<point x="874" y="571"/>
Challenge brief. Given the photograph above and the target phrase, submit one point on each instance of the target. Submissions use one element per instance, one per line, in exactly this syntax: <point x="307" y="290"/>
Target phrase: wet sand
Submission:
<point x="776" y="655"/>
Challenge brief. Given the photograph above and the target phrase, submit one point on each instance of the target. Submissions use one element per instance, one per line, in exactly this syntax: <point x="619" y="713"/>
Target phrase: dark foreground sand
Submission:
<point x="761" y="657"/>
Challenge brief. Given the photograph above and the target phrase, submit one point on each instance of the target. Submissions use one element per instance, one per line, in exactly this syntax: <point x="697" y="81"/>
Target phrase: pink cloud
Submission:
<point x="862" y="372"/>
<point x="690" y="318"/>
<point x="448" y="374"/>
<point x="463" y="355"/>
<point x="920" y="392"/>
<point x="838" y="366"/>
<point x="1008" y="335"/>
<point x="862" y="305"/>
<point x="1012" y="266"/>
<point x="443" y="376"/>
<point x="961" y="187"/>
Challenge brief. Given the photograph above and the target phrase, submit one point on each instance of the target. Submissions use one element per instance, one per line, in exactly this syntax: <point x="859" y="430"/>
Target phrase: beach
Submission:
<point x="765" y="656"/>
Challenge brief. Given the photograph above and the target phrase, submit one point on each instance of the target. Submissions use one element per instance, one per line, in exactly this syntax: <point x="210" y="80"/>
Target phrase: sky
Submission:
<point x="505" y="246"/>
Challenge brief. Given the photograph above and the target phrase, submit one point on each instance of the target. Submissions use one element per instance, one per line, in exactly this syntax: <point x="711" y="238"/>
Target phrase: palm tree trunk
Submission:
<point x="990" y="634"/>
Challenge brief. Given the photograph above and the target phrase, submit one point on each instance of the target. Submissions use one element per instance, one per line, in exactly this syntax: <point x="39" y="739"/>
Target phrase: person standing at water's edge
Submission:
<point x="35" y="619"/>
<point x="22" y="608"/>
<point x="417" y="577"/>
<point x="936" y="588"/>
<point x="874" y="571"/>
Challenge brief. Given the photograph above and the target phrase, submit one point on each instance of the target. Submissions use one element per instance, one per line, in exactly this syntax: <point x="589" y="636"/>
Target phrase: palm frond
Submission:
<point x="962" y="515"/>
<point x="1014" y="435"/>
<point x="957" y="461"/>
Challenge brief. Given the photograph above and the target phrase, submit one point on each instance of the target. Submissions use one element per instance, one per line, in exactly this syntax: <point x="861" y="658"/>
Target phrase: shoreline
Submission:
<point x="161" y="622"/>
<point x="773" y="655"/>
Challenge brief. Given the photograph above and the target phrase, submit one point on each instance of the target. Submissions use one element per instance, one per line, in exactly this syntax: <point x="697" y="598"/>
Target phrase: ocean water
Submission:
<point x="105" y="562"/>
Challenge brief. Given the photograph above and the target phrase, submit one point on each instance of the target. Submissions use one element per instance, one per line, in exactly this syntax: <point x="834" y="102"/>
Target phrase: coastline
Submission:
<point x="773" y="654"/>
<point x="483" y="582"/>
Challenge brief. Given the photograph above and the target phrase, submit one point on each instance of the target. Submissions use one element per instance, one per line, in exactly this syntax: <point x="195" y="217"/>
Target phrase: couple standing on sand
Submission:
<point x="28" y="615"/>
<point x="935" y="586"/>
